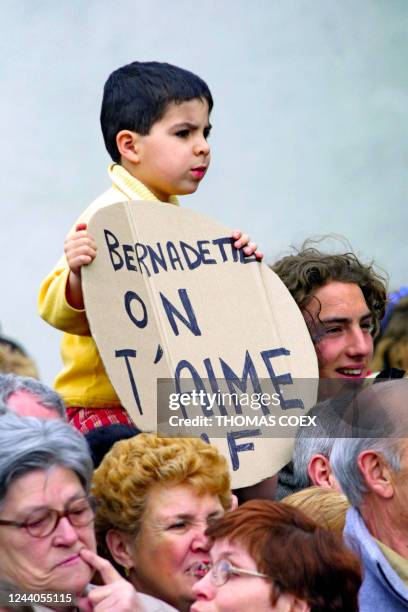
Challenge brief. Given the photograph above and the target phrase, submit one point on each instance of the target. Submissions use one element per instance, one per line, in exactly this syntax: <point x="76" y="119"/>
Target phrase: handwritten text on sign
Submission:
<point x="169" y="297"/>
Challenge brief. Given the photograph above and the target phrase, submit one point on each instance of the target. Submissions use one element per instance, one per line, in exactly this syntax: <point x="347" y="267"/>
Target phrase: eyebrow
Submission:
<point x="185" y="516"/>
<point x="191" y="126"/>
<point x="332" y="320"/>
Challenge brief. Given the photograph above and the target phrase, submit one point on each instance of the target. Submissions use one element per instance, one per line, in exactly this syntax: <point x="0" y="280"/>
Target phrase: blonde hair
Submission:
<point x="391" y="350"/>
<point x="13" y="361"/>
<point x="325" y="506"/>
<point x="123" y="480"/>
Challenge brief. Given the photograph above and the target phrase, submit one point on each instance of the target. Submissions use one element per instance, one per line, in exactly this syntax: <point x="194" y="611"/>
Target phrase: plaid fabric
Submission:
<point x="85" y="419"/>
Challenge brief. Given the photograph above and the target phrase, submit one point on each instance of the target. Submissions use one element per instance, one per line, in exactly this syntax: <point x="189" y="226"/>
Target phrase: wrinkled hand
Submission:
<point x="243" y="241"/>
<point x="115" y="595"/>
<point x="79" y="248"/>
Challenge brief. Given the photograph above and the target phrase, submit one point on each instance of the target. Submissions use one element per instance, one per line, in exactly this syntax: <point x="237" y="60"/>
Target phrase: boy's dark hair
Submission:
<point x="309" y="269"/>
<point x="137" y="95"/>
<point x="101" y="439"/>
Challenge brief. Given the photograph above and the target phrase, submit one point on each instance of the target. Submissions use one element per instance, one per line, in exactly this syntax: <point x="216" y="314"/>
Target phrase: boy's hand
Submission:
<point x="116" y="593"/>
<point x="79" y="248"/>
<point x="243" y="241"/>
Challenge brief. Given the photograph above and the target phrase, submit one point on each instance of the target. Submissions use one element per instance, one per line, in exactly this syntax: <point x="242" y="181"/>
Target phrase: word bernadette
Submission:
<point x="178" y="255"/>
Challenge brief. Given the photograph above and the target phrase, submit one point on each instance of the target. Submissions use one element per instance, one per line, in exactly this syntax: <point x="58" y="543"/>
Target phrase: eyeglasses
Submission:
<point x="42" y="523"/>
<point x="222" y="571"/>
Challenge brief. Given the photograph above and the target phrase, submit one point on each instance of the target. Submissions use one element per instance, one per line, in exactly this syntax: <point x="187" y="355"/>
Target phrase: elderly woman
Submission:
<point x="47" y="541"/>
<point x="156" y="497"/>
<point x="276" y="558"/>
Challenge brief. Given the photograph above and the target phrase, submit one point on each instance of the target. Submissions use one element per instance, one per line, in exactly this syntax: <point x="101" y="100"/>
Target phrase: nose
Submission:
<point x="360" y="344"/>
<point x="204" y="588"/>
<point x="201" y="146"/>
<point x="65" y="534"/>
<point x="200" y="542"/>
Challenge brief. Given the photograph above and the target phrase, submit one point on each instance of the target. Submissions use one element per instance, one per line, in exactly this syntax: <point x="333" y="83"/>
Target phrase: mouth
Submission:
<point x="199" y="569"/>
<point x="69" y="561"/>
<point x="355" y="372"/>
<point x="199" y="171"/>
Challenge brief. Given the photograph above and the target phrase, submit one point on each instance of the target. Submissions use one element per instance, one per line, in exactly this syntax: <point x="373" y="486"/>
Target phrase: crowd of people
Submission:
<point x="98" y="515"/>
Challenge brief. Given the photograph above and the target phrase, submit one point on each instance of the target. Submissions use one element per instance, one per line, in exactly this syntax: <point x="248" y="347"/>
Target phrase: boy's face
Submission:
<point x="174" y="157"/>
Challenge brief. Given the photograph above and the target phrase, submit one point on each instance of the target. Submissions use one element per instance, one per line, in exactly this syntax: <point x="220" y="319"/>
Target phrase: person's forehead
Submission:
<point x="180" y="500"/>
<point x="27" y="404"/>
<point x="188" y="110"/>
<point x="51" y="487"/>
<point x="339" y="299"/>
<point x="226" y="549"/>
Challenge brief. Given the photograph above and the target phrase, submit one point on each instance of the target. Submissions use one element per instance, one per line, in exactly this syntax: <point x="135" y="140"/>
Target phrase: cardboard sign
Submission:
<point x="169" y="297"/>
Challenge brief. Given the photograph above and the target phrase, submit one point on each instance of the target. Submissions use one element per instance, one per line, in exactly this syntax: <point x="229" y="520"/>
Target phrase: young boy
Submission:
<point x="155" y="123"/>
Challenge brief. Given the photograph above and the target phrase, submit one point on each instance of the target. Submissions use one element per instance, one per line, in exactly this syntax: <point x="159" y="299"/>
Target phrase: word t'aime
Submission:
<point x="177" y="255"/>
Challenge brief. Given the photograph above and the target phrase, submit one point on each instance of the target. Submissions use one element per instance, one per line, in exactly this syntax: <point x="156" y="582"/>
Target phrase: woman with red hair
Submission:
<point x="269" y="556"/>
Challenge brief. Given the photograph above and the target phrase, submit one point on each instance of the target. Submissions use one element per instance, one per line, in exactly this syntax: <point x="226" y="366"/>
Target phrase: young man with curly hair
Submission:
<point x="343" y="301"/>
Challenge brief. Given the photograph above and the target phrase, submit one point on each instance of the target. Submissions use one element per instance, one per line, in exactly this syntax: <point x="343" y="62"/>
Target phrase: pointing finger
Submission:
<point x="106" y="569"/>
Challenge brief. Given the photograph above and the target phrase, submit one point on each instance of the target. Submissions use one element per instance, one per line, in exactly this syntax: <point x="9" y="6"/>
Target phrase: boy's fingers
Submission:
<point x="250" y="248"/>
<point x="79" y="244"/>
<point x="81" y="260"/>
<point x="80" y="248"/>
<point x="80" y="257"/>
<point x="244" y="240"/>
<point x="80" y="233"/>
<point x="106" y="569"/>
<point x="80" y="238"/>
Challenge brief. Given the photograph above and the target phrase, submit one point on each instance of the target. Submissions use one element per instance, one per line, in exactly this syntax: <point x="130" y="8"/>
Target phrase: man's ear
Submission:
<point x="320" y="472"/>
<point x="120" y="548"/>
<point x="128" y="144"/>
<point x="376" y="473"/>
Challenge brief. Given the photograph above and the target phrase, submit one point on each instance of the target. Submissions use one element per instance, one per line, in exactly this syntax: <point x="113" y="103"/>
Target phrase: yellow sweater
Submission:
<point x="83" y="380"/>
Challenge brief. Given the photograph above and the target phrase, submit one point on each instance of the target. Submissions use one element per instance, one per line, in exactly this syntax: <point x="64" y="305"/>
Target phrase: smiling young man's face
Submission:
<point x="340" y="324"/>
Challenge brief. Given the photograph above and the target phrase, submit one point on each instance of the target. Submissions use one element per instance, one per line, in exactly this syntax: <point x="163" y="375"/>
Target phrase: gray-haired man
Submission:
<point x="372" y="470"/>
